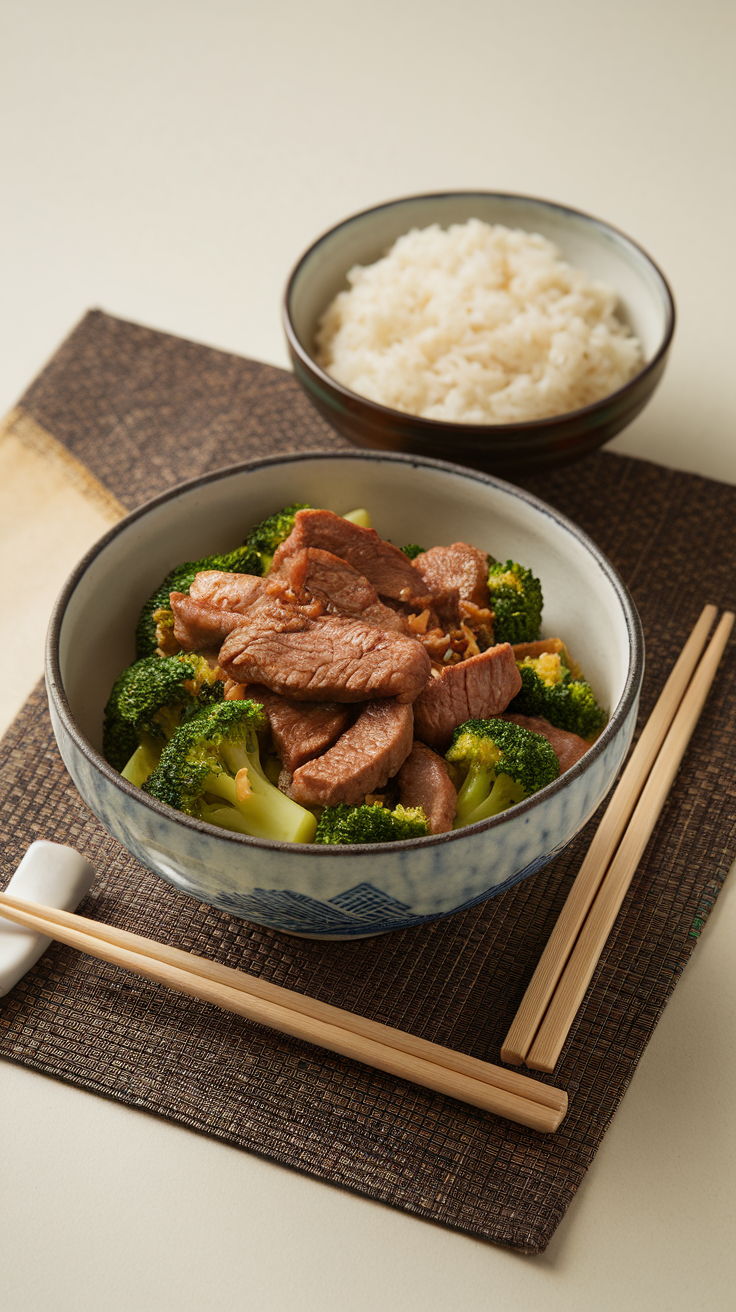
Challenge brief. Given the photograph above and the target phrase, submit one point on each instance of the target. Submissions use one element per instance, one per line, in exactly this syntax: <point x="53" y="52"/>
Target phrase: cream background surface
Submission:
<point x="168" y="161"/>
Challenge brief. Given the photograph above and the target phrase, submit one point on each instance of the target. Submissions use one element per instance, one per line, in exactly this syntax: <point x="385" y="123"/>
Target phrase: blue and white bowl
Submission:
<point x="341" y="892"/>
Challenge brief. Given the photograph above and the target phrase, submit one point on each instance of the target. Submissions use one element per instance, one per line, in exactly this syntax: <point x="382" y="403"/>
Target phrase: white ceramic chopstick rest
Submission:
<point x="54" y="876"/>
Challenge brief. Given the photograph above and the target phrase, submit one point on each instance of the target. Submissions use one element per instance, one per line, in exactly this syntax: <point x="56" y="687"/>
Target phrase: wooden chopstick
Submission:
<point x="551" y="964"/>
<point x="511" y="1081"/>
<point x="583" y="959"/>
<point x="506" y="1093"/>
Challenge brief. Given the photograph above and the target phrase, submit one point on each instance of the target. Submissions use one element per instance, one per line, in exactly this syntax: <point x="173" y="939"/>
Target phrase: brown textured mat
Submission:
<point x="142" y="410"/>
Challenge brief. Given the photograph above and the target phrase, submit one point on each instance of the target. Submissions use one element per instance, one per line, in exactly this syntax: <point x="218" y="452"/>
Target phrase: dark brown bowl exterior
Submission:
<point x="513" y="448"/>
<point x="505" y="449"/>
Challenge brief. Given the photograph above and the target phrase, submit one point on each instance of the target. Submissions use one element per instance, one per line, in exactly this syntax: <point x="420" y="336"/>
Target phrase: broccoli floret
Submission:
<point x="211" y="769"/>
<point x="254" y="557"/>
<point x="148" y="702"/>
<point x="548" y="689"/>
<point x="156" y="611"/>
<point x="504" y="763"/>
<point x="516" y="600"/>
<point x="412" y="550"/>
<point x="270" y="533"/>
<point x="370" y="824"/>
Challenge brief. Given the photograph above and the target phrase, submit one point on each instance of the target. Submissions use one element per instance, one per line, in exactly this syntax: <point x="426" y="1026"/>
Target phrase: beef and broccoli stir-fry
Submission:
<point x="319" y="684"/>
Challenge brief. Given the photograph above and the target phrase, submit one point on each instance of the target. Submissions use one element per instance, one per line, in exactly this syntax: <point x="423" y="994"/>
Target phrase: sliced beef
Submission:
<point x="330" y="658"/>
<point x="385" y="566"/>
<point x="198" y="627"/>
<point x="363" y="759"/>
<point x="330" y="578"/>
<point x="234" y="592"/>
<point x="338" y="586"/>
<point x="567" y="746"/>
<point x="301" y="730"/>
<point x="423" y="781"/>
<point x="459" y="566"/>
<point x="473" y="689"/>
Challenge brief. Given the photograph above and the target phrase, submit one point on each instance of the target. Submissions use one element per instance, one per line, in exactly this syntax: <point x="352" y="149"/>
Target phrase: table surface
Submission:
<point x="168" y="162"/>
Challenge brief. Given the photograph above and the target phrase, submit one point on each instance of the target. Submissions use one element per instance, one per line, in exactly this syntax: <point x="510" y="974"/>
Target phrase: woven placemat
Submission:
<point x="142" y="410"/>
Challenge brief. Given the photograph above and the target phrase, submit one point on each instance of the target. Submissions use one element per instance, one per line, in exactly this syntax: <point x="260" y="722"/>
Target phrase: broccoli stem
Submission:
<point x="266" y="813"/>
<point x="143" y="762"/>
<point x="360" y="517"/>
<point x="475" y="789"/>
<point x="225" y="817"/>
<point x="504" y="793"/>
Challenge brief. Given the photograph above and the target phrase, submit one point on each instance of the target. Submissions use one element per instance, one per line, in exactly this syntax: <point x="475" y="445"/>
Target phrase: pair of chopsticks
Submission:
<point x="506" y="1093"/>
<point x="566" y="966"/>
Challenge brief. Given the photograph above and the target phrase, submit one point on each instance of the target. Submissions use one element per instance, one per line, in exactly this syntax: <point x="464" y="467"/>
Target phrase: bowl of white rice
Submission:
<point x="507" y="332"/>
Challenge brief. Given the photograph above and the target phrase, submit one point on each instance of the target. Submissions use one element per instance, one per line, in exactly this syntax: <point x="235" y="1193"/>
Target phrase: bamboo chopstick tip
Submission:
<point x="512" y="1057"/>
<point x="561" y="1115"/>
<point x="541" y="1064"/>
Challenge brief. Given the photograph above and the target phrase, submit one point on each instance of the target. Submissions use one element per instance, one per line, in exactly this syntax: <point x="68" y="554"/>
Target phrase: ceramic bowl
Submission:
<point x="338" y="892"/>
<point x="645" y="304"/>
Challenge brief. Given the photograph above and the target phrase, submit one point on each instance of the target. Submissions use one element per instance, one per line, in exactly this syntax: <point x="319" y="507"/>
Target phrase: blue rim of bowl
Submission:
<point x="57" y="693"/>
<point x="521" y="429"/>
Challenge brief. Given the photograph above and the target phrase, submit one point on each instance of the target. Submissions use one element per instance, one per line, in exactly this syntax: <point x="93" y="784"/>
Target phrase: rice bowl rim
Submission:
<point x="521" y="427"/>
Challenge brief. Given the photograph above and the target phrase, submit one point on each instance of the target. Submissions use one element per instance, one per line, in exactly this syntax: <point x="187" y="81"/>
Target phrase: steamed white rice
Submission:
<point x="476" y="324"/>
